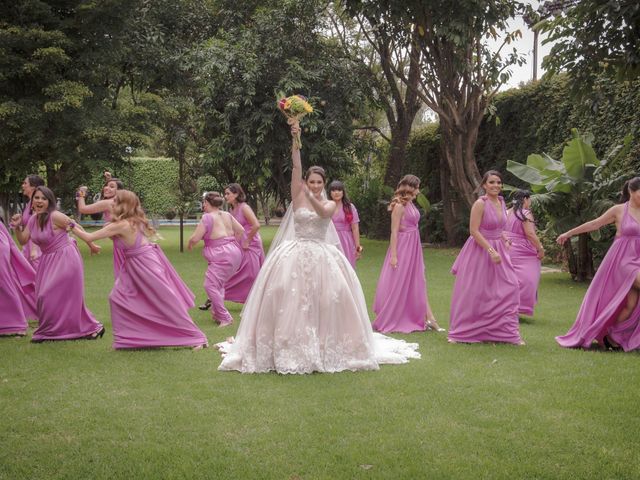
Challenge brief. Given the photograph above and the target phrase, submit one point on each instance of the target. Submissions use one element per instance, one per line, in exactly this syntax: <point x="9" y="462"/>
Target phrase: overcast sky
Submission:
<point x="525" y="47"/>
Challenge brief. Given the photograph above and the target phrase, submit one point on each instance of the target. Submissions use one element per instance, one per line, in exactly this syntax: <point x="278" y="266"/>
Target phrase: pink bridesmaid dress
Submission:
<point x="524" y="258"/>
<point x="401" y="301"/>
<point x="17" y="287"/>
<point x="238" y="286"/>
<point x="223" y="256"/>
<point x="344" y="232"/>
<point x="149" y="301"/>
<point x="607" y="294"/>
<point x="30" y="250"/>
<point x="61" y="310"/>
<point x="118" y="254"/>
<point x="485" y="299"/>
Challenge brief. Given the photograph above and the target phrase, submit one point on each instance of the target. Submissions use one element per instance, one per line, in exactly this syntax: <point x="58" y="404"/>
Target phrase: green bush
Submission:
<point x="155" y="180"/>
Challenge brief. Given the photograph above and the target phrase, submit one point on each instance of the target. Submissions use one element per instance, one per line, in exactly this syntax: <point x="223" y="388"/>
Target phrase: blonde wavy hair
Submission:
<point x="404" y="191"/>
<point x="126" y="206"/>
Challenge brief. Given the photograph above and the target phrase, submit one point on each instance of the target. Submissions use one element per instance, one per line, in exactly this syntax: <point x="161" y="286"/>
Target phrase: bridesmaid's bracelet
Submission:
<point x="491" y="251"/>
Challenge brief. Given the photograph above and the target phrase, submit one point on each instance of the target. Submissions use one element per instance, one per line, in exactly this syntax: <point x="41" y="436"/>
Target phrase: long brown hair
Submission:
<point x="127" y="207"/>
<point x="237" y="189"/>
<point x="43" y="218"/>
<point x="404" y="191"/>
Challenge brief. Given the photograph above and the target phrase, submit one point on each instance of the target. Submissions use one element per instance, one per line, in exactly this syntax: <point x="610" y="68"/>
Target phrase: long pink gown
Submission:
<point x="345" y="234"/>
<point x="17" y="287"/>
<point x="61" y="310"/>
<point x="607" y="294"/>
<point x="524" y="258"/>
<point x="401" y="296"/>
<point x="223" y="257"/>
<point x="485" y="299"/>
<point x="30" y="250"/>
<point x="149" y="301"/>
<point x="238" y="286"/>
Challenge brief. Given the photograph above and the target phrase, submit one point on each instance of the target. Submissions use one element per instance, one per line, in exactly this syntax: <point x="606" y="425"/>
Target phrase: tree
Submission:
<point x="459" y="75"/>
<point x="57" y="112"/>
<point x="371" y="48"/>
<point x="593" y="37"/>
<point x="575" y="190"/>
<point x="260" y="49"/>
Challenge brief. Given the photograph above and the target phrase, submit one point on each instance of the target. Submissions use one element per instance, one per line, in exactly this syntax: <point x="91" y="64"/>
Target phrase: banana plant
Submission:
<point x="575" y="189"/>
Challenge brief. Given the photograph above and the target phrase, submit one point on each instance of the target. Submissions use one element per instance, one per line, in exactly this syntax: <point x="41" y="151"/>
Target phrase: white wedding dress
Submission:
<point x="306" y="312"/>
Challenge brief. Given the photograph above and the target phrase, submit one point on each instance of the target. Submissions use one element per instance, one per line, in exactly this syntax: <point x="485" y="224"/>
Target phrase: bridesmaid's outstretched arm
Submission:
<point x="62" y="222"/>
<point x="614" y="214"/>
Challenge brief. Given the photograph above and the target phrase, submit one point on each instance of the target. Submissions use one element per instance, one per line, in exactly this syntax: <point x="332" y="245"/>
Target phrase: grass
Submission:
<point x="82" y="410"/>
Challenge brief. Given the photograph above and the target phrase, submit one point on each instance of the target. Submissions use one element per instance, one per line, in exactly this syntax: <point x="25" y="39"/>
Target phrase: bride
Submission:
<point x="306" y="311"/>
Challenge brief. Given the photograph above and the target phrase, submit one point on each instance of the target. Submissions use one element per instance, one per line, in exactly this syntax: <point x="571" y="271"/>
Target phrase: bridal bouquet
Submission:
<point x="294" y="108"/>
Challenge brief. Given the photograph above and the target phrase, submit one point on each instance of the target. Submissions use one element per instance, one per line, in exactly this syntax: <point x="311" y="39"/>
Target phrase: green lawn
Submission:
<point x="80" y="410"/>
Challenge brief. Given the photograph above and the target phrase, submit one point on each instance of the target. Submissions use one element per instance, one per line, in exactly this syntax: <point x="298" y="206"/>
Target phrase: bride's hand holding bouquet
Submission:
<point x="294" y="108"/>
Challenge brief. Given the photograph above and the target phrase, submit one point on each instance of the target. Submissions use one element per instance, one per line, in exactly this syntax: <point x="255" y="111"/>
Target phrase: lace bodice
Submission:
<point x="309" y="225"/>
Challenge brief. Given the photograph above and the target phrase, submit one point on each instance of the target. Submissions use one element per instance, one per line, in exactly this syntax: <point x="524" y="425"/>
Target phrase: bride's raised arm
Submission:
<point x="296" y="164"/>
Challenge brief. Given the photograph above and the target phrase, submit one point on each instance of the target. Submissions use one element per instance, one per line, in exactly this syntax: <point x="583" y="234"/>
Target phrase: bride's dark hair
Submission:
<point x="316" y="169"/>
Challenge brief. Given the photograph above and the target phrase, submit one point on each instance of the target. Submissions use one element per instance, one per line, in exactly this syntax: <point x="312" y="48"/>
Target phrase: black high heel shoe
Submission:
<point x="206" y="305"/>
<point x="95" y="336"/>
<point x="609" y="345"/>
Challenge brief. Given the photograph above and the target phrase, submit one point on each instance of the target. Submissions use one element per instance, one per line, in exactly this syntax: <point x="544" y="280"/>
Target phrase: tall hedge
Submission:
<point x="538" y="117"/>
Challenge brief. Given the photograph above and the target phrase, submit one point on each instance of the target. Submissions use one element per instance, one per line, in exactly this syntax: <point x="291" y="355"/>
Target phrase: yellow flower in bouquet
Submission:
<point x="294" y="108"/>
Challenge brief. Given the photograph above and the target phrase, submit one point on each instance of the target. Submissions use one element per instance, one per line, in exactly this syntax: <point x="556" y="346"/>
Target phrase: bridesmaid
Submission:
<point x="149" y="302"/>
<point x="17" y="287"/>
<point x="610" y="311"/>
<point x="346" y="221"/>
<point x="111" y="186"/>
<point x="485" y="299"/>
<point x="221" y="250"/>
<point x="401" y="303"/>
<point x="30" y="250"/>
<point x="59" y="278"/>
<point x="238" y="286"/>
<point x="526" y="250"/>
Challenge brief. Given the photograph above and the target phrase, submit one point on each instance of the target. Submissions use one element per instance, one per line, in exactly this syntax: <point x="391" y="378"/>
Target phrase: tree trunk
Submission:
<point x="459" y="153"/>
<point x="585" y="260"/>
<point x="395" y="165"/>
<point x="449" y="205"/>
<point x="459" y="175"/>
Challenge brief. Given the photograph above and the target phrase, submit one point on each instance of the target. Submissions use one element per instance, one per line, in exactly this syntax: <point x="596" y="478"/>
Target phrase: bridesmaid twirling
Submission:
<point x="60" y="305"/>
<point x="401" y="303"/>
<point x="238" y="286"/>
<point x="111" y="186"/>
<point x="347" y="222"/>
<point x="149" y="301"/>
<point x="30" y="250"/>
<point x="221" y="250"/>
<point x="610" y="311"/>
<point x="17" y="287"/>
<point x="485" y="299"/>
<point x="526" y="250"/>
